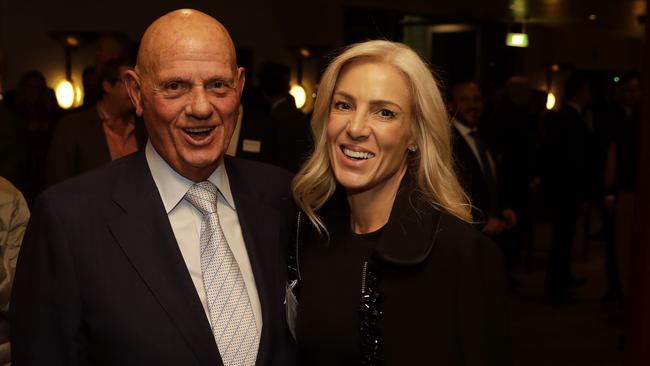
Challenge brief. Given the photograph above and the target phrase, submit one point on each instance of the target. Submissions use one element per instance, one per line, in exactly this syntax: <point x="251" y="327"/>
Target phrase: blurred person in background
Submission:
<point x="90" y="137"/>
<point x="14" y="215"/>
<point x="566" y="183"/>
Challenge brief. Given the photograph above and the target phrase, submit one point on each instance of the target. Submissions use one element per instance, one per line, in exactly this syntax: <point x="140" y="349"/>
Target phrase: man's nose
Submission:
<point x="199" y="106"/>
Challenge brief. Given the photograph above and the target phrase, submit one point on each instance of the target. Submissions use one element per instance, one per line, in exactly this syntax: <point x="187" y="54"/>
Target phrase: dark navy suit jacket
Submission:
<point x="101" y="280"/>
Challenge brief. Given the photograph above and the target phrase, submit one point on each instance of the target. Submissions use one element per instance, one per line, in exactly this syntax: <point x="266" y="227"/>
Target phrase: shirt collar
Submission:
<point x="574" y="106"/>
<point x="173" y="186"/>
<point x="464" y="130"/>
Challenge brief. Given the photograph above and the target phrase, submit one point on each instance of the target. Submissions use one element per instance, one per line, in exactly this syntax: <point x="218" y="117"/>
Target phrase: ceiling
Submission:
<point x="615" y="15"/>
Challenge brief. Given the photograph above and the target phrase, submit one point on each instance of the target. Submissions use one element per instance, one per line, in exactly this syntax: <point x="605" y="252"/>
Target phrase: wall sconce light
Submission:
<point x="550" y="101"/>
<point x="65" y="94"/>
<point x="68" y="93"/>
<point x="298" y="93"/>
<point x="297" y="90"/>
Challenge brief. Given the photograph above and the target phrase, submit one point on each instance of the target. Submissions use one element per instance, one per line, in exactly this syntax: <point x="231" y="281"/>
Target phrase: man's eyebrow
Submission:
<point x="174" y="78"/>
<point x="226" y="79"/>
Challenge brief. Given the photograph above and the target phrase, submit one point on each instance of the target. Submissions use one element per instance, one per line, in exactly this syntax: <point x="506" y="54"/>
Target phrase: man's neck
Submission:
<point x="108" y="112"/>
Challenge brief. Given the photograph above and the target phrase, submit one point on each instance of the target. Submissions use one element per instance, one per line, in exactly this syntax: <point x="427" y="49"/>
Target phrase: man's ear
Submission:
<point x="106" y="86"/>
<point x="241" y="80"/>
<point x="134" y="88"/>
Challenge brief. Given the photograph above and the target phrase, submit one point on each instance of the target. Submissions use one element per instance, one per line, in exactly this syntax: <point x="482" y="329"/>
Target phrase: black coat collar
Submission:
<point x="409" y="235"/>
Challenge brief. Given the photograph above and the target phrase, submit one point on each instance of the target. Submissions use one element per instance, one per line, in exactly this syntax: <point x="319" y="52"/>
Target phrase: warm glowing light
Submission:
<point x="305" y="52"/>
<point x="592" y="17"/>
<point x="65" y="94"/>
<point x="517" y="39"/>
<point x="519" y="8"/>
<point x="78" y="95"/>
<point x="451" y="28"/>
<point x="555" y="67"/>
<point x="550" y="101"/>
<point x="72" y="41"/>
<point x="299" y="95"/>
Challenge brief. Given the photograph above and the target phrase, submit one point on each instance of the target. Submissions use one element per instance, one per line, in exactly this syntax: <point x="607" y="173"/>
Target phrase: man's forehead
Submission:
<point x="189" y="65"/>
<point x="182" y="36"/>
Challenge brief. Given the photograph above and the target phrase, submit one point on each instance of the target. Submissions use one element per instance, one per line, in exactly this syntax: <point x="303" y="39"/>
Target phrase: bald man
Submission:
<point x="170" y="256"/>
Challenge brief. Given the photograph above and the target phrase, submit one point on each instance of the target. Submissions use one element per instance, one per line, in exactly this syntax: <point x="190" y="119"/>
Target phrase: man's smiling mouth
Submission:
<point x="198" y="132"/>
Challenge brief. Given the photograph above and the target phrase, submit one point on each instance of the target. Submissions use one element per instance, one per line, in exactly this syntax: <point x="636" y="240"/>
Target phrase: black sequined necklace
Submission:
<point x="370" y="315"/>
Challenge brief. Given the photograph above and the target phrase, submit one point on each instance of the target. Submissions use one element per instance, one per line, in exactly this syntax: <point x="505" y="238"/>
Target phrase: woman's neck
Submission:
<point x="370" y="210"/>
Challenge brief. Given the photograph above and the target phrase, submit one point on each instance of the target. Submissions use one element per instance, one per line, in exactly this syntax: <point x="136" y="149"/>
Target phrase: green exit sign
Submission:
<point x="517" y="39"/>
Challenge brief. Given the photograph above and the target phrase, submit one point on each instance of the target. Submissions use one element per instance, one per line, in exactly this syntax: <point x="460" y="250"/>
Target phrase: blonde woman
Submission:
<point x="390" y="270"/>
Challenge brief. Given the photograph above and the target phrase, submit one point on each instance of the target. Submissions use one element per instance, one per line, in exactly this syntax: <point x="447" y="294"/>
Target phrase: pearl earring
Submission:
<point x="413" y="148"/>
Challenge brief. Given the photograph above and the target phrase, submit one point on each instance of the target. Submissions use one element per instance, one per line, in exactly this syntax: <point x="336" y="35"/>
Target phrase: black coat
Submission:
<point x="79" y="144"/>
<point x="442" y="284"/>
<point x="566" y="157"/>
<point x="101" y="281"/>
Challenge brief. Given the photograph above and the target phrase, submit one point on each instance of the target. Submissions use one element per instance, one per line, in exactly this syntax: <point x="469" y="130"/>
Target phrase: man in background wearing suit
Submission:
<point x="171" y="256"/>
<point x="477" y="170"/>
<point x="104" y="131"/>
<point x="475" y="167"/>
<point x="566" y="183"/>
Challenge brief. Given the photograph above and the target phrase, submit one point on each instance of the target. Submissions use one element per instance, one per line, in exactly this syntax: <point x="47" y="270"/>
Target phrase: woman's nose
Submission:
<point x="357" y="127"/>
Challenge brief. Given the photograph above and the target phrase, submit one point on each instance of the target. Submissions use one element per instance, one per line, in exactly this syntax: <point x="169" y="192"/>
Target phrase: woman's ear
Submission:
<point x="134" y="88"/>
<point x="413" y="145"/>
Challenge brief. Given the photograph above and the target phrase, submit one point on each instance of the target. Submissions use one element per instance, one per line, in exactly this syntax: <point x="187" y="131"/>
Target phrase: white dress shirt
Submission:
<point x="186" y="220"/>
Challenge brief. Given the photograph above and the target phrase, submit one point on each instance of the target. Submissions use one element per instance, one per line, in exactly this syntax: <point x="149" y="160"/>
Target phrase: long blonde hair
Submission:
<point x="431" y="164"/>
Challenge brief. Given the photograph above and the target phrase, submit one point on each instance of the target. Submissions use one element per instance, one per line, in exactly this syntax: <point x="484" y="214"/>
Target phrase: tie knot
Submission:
<point x="203" y="196"/>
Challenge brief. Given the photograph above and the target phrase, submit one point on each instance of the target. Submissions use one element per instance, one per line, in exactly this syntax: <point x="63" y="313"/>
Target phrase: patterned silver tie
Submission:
<point x="231" y="313"/>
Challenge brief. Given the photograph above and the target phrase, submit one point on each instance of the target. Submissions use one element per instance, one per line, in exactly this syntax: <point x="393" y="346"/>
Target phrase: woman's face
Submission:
<point x="368" y="131"/>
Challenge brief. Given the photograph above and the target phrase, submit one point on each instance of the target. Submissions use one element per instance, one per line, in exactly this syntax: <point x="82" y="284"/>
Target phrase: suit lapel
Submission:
<point x="146" y="237"/>
<point x="260" y="225"/>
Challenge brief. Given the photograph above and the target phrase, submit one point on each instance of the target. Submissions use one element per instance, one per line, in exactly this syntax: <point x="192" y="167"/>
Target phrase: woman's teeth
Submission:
<point x="359" y="155"/>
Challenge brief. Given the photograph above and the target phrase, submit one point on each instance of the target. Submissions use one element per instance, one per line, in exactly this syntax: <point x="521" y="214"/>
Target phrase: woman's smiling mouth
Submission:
<point x="356" y="155"/>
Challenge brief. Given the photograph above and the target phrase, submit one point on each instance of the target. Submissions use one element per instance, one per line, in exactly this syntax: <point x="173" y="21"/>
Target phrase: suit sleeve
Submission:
<point x="45" y="310"/>
<point x="484" y="314"/>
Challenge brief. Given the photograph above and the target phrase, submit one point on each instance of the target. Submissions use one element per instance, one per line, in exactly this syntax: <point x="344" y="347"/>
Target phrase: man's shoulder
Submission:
<point x="261" y="181"/>
<point x="95" y="183"/>
<point x="77" y="120"/>
<point x="460" y="235"/>
<point x="249" y="169"/>
<point x="79" y="115"/>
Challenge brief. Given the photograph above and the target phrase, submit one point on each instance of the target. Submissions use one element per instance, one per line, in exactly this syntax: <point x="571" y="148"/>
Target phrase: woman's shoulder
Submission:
<point x="455" y="234"/>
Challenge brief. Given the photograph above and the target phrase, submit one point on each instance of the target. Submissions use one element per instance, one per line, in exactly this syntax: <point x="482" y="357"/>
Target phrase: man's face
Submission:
<point x="467" y="103"/>
<point x="190" y="103"/>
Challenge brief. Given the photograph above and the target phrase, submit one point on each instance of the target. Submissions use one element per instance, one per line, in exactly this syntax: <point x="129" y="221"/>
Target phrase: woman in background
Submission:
<point x="390" y="271"/>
